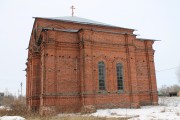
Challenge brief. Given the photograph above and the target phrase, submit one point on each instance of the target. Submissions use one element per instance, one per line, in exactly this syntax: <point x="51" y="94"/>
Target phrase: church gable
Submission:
<point x="35" y="39"/>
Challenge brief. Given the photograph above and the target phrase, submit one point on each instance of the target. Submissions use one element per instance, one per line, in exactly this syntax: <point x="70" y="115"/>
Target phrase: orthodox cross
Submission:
<point x="72" y="7"/>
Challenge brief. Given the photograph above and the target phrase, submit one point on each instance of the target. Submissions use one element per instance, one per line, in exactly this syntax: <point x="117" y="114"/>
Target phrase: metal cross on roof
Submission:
<point x="72" y="7"/>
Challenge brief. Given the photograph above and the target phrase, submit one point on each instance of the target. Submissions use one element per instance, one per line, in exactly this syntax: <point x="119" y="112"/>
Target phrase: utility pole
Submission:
<point x="18" y="93"/>
<point x="21" y="91"/>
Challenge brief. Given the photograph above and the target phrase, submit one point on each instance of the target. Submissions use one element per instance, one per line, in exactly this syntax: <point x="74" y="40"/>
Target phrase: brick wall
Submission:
<point x="64" y="74"/>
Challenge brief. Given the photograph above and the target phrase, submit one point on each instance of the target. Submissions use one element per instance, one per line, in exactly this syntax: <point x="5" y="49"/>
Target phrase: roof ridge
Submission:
<point x="81" y="18"/>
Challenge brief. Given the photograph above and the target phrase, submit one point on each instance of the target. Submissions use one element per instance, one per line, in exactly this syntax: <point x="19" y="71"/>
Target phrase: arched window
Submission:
<point x="101" y="72"/>
<point x="119" y="70"/>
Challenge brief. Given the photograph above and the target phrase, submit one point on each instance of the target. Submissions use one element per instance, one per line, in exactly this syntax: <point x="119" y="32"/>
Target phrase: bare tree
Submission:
<point x="174" y="88"/>
<point x="164" y="90"/>
<point x="7" y="100"/>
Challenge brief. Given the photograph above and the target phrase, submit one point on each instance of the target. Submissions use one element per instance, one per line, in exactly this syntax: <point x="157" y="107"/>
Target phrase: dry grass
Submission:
<point x="19" y="109"/>
<point x="74" y="118"/>
<point x="35" y="116"/>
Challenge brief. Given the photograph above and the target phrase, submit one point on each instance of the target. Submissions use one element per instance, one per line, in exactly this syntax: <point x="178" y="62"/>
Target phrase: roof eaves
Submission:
<point x="144" y="39"/>
<point x="122" y="33"/>
<point x="62" y="30"/>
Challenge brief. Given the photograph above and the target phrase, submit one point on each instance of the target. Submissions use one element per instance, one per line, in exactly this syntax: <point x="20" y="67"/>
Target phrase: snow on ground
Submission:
<point x="2" y="107"/>
<point x="12" y="118"/>
<point x="168" y="109"/>
<point x="5" y="108"/>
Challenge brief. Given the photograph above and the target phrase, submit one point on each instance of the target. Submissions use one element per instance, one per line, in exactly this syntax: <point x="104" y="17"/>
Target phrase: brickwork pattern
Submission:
<point x="62" y="67"/>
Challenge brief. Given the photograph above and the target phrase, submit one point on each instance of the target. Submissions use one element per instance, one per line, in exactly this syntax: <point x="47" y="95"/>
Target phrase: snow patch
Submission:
<point x="12" y="118"/>
<point x="4" y="108"/>
<point x="168" y="109"/>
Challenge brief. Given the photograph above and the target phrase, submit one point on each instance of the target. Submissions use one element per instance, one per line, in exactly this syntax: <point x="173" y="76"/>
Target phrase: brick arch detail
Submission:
<point x="106" y="62"/>
<point x="125" y="73"/>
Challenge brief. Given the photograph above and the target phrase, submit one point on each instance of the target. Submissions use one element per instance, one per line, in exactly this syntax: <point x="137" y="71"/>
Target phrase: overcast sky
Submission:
<point x="155" y="19"/>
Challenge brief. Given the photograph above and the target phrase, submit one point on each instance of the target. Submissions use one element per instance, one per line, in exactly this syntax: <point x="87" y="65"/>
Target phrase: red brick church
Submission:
<point x="74" y="63"/>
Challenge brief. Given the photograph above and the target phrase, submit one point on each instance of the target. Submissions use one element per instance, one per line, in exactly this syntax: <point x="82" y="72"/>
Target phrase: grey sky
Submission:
<point x="156" y="19"/>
